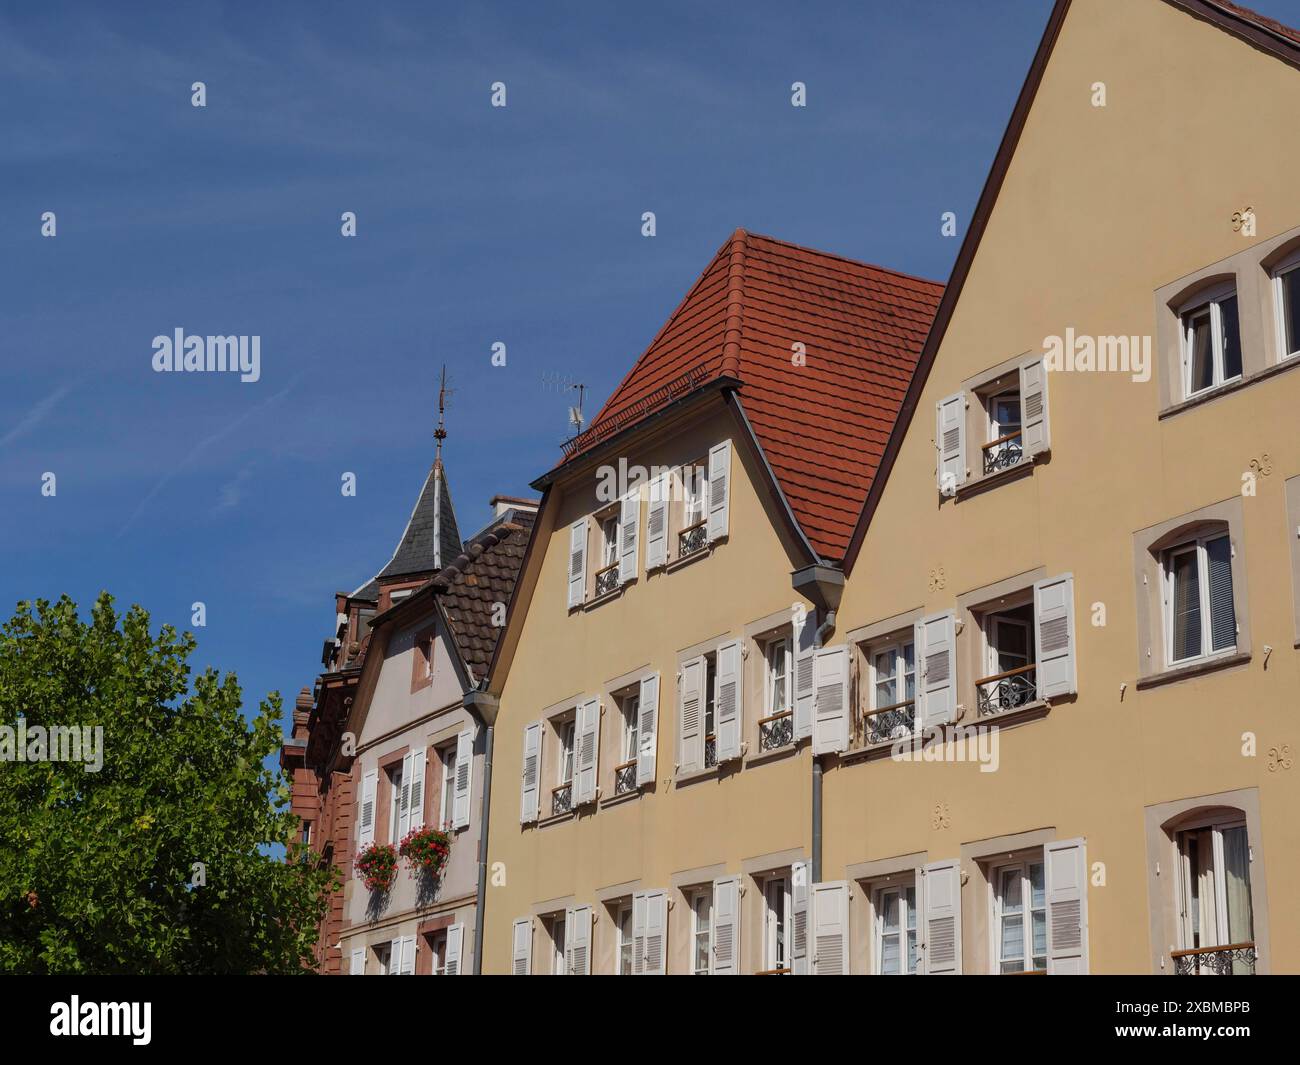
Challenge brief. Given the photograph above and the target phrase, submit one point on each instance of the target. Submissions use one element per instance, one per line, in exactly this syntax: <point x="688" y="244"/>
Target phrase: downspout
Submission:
<point x="823" y="630"/>
<point x="484" y="707"/>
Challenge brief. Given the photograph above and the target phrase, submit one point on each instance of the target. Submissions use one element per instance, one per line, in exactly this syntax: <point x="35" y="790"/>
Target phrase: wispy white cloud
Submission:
<point x="35" y="416"/>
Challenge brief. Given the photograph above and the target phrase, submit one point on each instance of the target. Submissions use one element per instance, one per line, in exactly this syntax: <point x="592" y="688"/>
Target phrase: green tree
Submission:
<point x="97" y="868"/>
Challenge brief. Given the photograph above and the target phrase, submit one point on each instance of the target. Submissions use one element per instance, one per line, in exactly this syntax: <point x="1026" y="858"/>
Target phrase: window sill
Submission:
<point x="618" y="800"/>
<point x="1211" y="394"/>
<point x="680" y="562"/>
<point x="600" y="600"/>
<point x="690" y="776"/>
<point x="1039" y="708"/>
<point x="985" y="481"/>
<point x="1194" y="669"/>
<point x="555" y="819"/>
<point x="774" y="755"/>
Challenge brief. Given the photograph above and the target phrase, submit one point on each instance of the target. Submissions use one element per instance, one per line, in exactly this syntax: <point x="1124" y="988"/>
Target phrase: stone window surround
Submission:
<point x="1250" y="271"/>
<point x="1149" y="544"/>
<point x="1162" y="821"/>
<point x="970" y="638"/>
<point x="977" y="863"/>
<point x="977" y="389"/>
<point x="753" y="873"/>
<point x="610" y="749"/>
<point x="865" y="878"/>
<point x="684" y="655"/>
<point x="548" y="770"/>
<point x="776" y="625"/>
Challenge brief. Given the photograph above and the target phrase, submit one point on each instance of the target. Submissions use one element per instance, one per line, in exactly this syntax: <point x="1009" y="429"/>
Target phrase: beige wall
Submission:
<point x="1101" y="208"/>
<point x="673" y="833"/>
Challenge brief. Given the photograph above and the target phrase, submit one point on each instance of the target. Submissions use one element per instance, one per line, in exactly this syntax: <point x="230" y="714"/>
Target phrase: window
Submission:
<point x="710" y="725"/>
<point x="892" y="713"/>
<point x="1020" y="917"/>
<point x="693" y="535"/>
<point x="1005" y="447"/>
<point x="555" y="929"/>
<point x="776" y="727"/>
<point x="776" y="923"/>
<point x="446" y="811"/>
<point x="1011" y="678"/>
<point x="1211" y="340"/>
<point x="438" y="953"/>
<point x="625" y="771"/>
<point x="1286" y="296"/>
<point x="306" y="833"/>
<point x="384" y="955"/>
<point x="896" y="953"/>
<point x="623" y="921"/>
<point x="1200" y="619"/>
<point x="702" y="931"/>
<point x="562" y="793"/>
<point x="398" y="799"/>
<point x="1214" y="899"/>
<point x="607" y="560"/>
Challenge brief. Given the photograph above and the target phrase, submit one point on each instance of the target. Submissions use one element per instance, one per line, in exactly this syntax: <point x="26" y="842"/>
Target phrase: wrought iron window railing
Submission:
<point x="693" y="538"/>
<point x="776" y="731"/>
<point x="625" y="777"/>
<point x="890" y="723"/>
<point x="562" y="799"/>
<point x="1003" y="453"/>
<point x="606" y="580"/>
<point x="1007" y="691"/>
<point x="1234" y="959"/>
<point x="710" y="751"/>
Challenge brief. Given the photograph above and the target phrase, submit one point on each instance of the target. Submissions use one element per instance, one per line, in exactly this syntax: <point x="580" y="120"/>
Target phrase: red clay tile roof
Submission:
<point x="1260" y="20"/>
<point x="823" y="426"/>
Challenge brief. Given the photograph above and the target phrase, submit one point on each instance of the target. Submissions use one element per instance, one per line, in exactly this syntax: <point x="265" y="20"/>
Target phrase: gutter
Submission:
<point x="484" y="707"/>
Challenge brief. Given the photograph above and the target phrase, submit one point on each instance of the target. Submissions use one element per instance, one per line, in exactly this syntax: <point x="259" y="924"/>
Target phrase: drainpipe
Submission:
<point x="484" y="707"/>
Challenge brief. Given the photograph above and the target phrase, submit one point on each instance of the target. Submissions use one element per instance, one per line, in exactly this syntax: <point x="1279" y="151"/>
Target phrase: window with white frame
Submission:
<point x="397" y="800"/>
<point x="629" y="714"/>
<point x="1286" y="300"/>
<point x="555" y="931"/>
<point x="1010" y="675"/>
<point x="692" y="535"/>
<point x="710" y="710"/>
<point x="623" y="922"/>
<point x="1020" y="917"/>
<point x="776" y="923"/>
<point x="438" y="953"/>
<point x="892" y="710"/>
<point x="606" y="570"/>
<point x="384" y="955"/>
<point x="776" y="726"/>
<point x="1214" y="898"/>
<point x="1211" y="341"/>
<point x="1005" y="446"/>
<point x="701" y="901"/>
<point x="895" y="927"/>
<point x="446" y="811"/>
<point x="1200" y="619"/>
<point x="562" y="793"/>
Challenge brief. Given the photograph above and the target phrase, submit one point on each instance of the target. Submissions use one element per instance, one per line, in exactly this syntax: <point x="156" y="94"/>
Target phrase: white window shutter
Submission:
<point x="464" y="779"/>
<point x="395" y="957"/>
<point x="692" y="714"/>
<point x="647" y="729"/>
<point x="1067" y="906"/>
<point x="1034" y="429"/>
<point x="366" y="820"/>
<point x="656" y="526"/>
<point x="532" y="772"/>
<point x="629" y="521"/>
<point x="719" y="489"/>
<point x="726" y="926"/>
<point x="654" y="955"/>
<point x="451" y="961"/>
<point x="805" y="692"/>
<point x="830" y="921"/>
<point x="586" y="756"/>
<point x="941" y="887"/>
<point x="404" y="799"/>
<point x="577" y="941"/>
<point x="638" y="933"/>
<point x="1054" y="636"/>
<point x="799" y="906"/>
<point x="831" y="713"/>
<point x="578" y="562"/>
<point x="358" y="962"/>
<point x="521" y="937"/>
<point x="416" y="819"/>
<point x="408" y="956"/>
<point x="936" y="655"/>
<point x="950" y="442"/>
<point x="729" y="702"/>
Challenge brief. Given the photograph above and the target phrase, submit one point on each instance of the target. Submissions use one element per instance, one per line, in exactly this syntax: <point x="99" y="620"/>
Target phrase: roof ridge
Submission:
<point x="732" y="335"/>
<point x="842" y="258"/>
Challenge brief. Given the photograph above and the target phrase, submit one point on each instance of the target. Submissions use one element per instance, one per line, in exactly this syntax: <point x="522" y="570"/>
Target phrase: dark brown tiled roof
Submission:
<point x="1260" y="20"/>
<point x="483" y="575"/>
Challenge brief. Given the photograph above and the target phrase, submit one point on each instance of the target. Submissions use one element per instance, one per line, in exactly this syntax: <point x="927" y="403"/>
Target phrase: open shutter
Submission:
<point x="638" y="933"/>
<point x="692" y="714"/>
<point x="451" y="965"/>
<point x="586" y="739"/>
<point x="629" y="520"/>
<point x="647" y="729"/>
<point x="831" y="715"/>
<point x="656" y="526"/>
<point x="531" y="773"/>
<point x="719" y="489"/>
<point x="358" y="962"/>
<point x="937" y="658"/>
<point x="404" y="799"/>
<point x="1067" y="906"/>
<point x="830" y="919"/>
<point x="655" y="952"/>
<point x="369" y="784"/>
<point x="577" y="933"/>
<point x="417" y="788"/>
<point x="799" y="905"/>
<point x="726" y="926"/>
<point x="950" y="441"/>
<point x="395" y="957"/>
<point x="805" y="693"/>
<point x="941" y="886"/>
<point x="729" y="702"/>
<point x="464" y="779"/>
<point x="408" y="956"/>
<point x="577" y="562"/>
<point x="1033" y="408"/>
<point x="1054" y="636"/>
<point x="521" y="936"/>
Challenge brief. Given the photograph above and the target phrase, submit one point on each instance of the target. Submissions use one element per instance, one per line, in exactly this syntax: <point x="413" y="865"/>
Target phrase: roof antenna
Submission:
<point x="440" y="434"/>
<point x="575" y="413"/>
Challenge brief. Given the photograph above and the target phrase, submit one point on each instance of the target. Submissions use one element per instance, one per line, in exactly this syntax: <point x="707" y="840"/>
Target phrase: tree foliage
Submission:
<point x="98" y="870"/>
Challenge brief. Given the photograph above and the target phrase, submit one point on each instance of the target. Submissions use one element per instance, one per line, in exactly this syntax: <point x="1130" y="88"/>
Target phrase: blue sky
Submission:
<point x="475" y="225"/>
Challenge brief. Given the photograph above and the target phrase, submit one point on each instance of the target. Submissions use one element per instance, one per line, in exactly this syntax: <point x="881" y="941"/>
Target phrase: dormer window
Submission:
<point x="1211" y="341"/>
